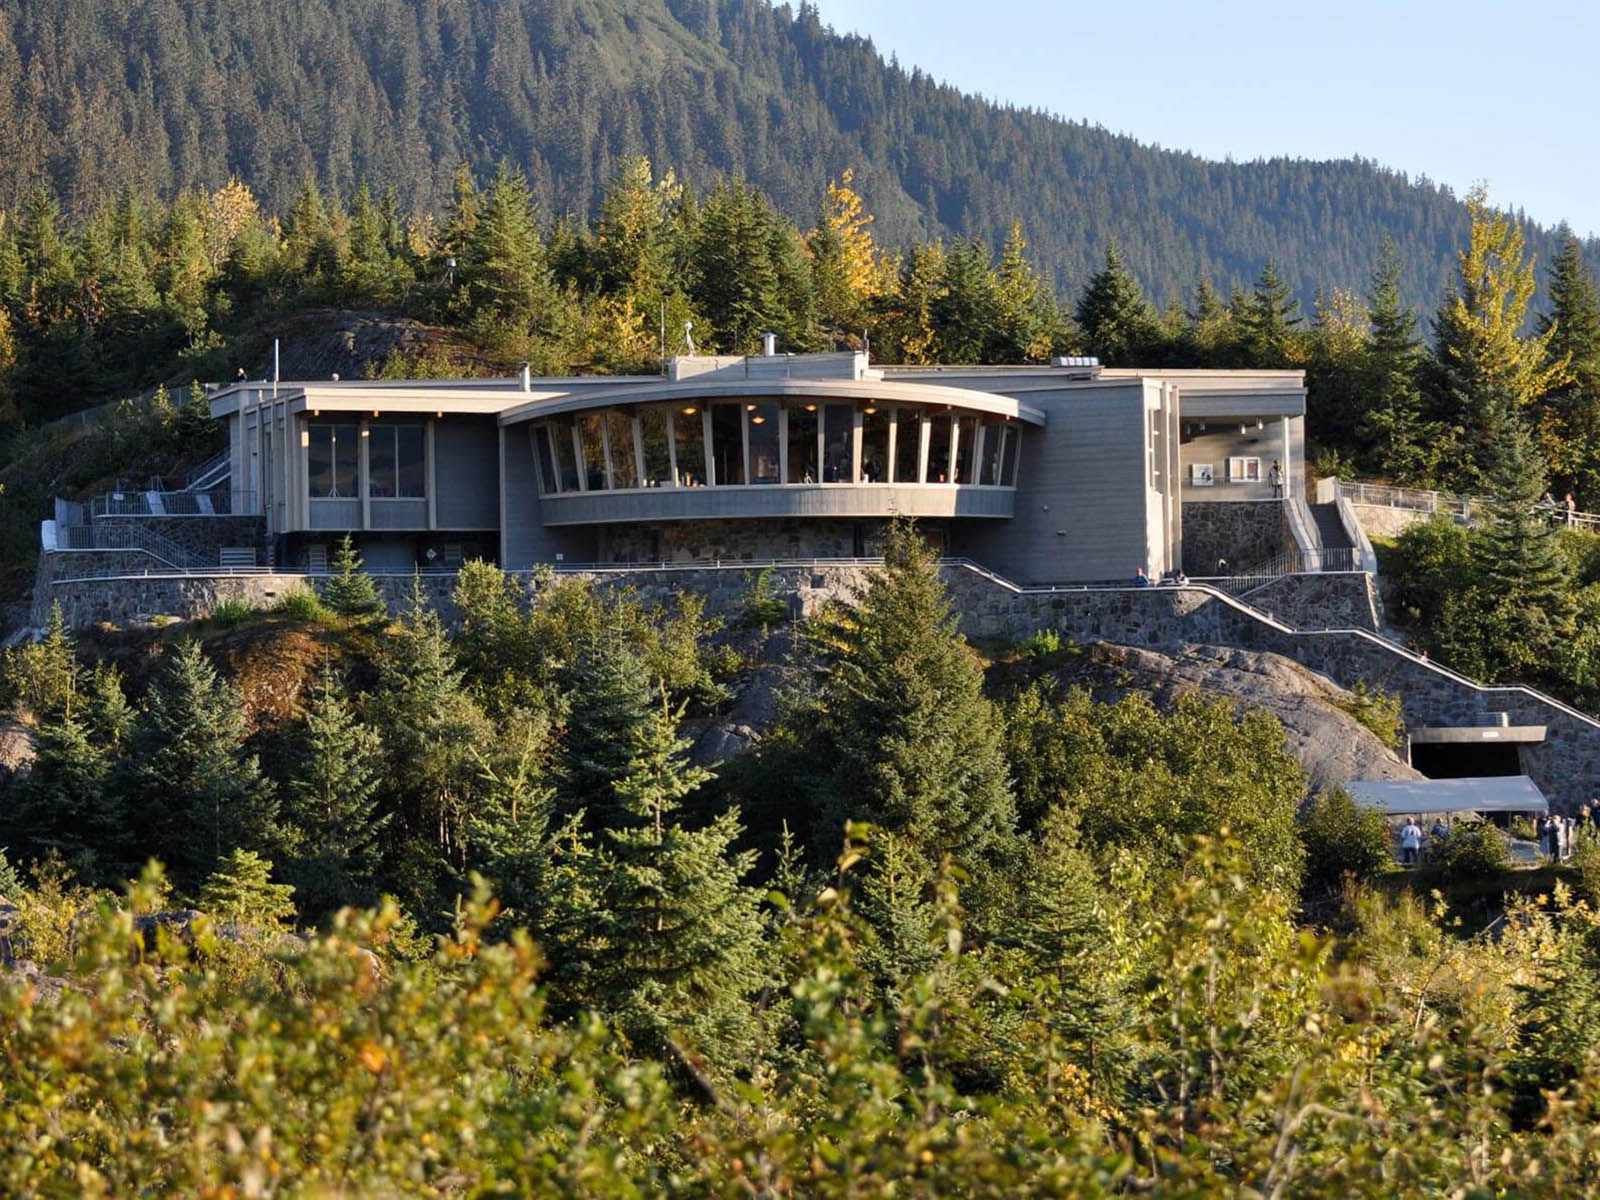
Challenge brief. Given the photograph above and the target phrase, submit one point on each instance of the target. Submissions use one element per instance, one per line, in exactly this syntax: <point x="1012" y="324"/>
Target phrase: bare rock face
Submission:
<point x="1332" y="746"/>
<point x="18" y="749"/>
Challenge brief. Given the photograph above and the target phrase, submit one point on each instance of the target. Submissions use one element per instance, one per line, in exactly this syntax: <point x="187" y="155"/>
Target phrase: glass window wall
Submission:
<point x="839" y="423"/>
<point x="655" y="427"/>
<point x="939" y="448"/>
<point x="1008" y="462"/>
<point x="907" y="444"/>
<point x="875" y="443"/>
<point x="764" y="465"/>
<point x="591" y="437"/>
<point x="689" y="436"/>
<point x="994" y="432"/>
<point x="966" y="445"/>
<point x="566" y="464"/>
<point x="333" y="465"/>
<point x="411" y="455"/>
<point x="727" y="444"/>
<point x="802" y="443"/>
<point x="619" y="435"/>
<point x="547" y="463"/>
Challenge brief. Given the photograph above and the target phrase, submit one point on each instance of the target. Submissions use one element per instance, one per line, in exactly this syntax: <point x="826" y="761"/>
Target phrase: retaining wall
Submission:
<point x="1245" y="533"/>
<point x="1566" y="766"/>
<point x="200" y="536"/>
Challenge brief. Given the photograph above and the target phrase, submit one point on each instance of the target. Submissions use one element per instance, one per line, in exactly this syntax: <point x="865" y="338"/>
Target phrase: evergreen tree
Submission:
<point x="1028" y="326"/>
<point x="905" y="737"/>
<point x="10" y="881"/>
<point x="107" y="716"/>
<point x="189" y="791"/>
<point x="1390" y="421"/>
<point x="1270" y="321"/>
<point x="1483" y="360"/>
<point x="844" y="260"/>
<point x="350" y="591"/>
<point x="1117" y="321"/>
<point x="964" y="306"/>
<point x="609" y="693"/>
<point x="241" y="892"/>
<point x="431" y="730"/>
<point x="503" y="267"/>
<point x="43" y="677"/>
<point x="331" y="815"/>
<point x="737" y="286"/>
<point x="1569" y="414"/>
<point x="63" y="805"/>
<point x="910" y="321"/>
<point x="656" y="928"/>
<point x="1210" y="335"/>
<point x="1520" y="567"/>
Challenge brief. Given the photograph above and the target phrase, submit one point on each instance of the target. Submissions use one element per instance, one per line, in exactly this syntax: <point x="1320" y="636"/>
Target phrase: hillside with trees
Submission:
<point x="164" y="95"/>
<point x="447" y="910"/>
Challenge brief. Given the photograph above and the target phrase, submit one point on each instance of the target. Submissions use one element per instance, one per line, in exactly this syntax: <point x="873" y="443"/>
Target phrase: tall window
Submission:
<point x="1013" y="450"/>
<point x="875" y="444"/>
<point x="591" y="436"/>
<point x="763" y="420"/>
<point x="655" y="429"/>
<point x="938" y="448"/>
<point x="689" y="435"/>
<point x="994" y="434"/>
<point x="547" y="463"/>
<point x="566" y="463"/>
<point x="907" y="444"/>
<point x="727" y="444"/>
<point x="803" y="443"/>
<point x="334" y="457"/>
<point x="966" y="444"/>
<point x="395" y="462"/>
<point x="838" y="442"/>
<point x="624" y="462"/>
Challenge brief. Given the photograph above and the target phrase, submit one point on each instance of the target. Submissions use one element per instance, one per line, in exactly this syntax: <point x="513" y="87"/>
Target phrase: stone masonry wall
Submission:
<point x="698" y="541"/>
<point x="200" y="536"/>
<point x="1566" y="766"/>
<point x="1334" y="600"/>
<point x="1244" y="532"/>
<point x="1381" y="521"/>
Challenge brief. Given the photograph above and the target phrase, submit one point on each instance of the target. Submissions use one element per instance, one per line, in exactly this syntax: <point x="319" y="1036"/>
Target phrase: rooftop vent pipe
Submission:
<point x="527" y="378"/>
<point x="769" y="345"/>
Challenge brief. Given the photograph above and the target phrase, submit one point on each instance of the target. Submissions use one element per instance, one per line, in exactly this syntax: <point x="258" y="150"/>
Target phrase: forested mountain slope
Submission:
<point x="164" y="93"/>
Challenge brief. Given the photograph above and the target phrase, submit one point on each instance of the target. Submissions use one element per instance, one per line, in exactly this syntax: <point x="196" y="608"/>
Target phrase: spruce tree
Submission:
<point x="1521" y="570"/>
<point x="1569" y="414"/>
<point x="610" y="697"/>
<point x="964" y="308"/>
<point x="1390" y="421"/>
<point x="350" y="591"/>
<point x="1118" y="323"/>
<point x="654" y="926"/>
<point x="1271" y="318"/>
<point x="1028" y="325"/>
<point x="1483" y="361"/>
<point x="43" y="678"/>
<point x="503" y="267"/>
<point x="905" y="737"/>
<point x="189" y="790"/>
<point x="331" y="814"/>
<point x="241" y="892"/>
<point x="10" y="881"/>
<point x="64" y="805"/>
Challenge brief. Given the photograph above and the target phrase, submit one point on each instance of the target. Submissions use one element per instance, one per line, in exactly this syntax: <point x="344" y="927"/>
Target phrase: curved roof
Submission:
<point x="823" y="389"/>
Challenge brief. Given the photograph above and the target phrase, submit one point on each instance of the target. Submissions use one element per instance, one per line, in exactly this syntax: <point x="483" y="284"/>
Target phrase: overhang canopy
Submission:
<point x="1494" y="794"/>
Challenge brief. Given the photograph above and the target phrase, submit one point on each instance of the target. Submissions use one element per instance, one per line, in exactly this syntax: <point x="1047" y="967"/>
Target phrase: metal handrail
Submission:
<point x="221" y="502"/>
<point x="1383" y="495"/>
<point x="98" y="536"/>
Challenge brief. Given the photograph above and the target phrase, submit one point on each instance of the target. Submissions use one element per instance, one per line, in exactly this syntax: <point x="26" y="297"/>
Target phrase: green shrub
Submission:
<point x="1040" y="643"/>
<point x="351" y="592"/>
<point x="300" y="603"/>
<point x="1343" y="838"/>
<point x="1474" y="848"/>
<point x="232" y="613"/>
<point x="1379" y="711"/>
<point x="761" y="607"/>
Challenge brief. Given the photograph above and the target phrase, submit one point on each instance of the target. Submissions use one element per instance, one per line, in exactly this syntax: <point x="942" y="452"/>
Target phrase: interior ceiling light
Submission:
<point x="749" y="408"/>
<point x="870" y="409"/>
<point x="690" y="411"/>
<point x="811" y="408"/>
<point x="757" y="420"/>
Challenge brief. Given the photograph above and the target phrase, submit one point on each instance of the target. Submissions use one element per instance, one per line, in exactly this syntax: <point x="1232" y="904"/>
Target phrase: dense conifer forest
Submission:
<point x="448" y="911"/>
<point x="161" y="95"/>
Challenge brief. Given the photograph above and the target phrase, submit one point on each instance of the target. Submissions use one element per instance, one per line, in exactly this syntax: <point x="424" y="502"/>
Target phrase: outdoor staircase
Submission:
<point x="1330" y="529"/>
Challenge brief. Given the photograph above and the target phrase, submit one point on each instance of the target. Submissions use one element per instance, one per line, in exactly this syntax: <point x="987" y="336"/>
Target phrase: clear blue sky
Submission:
<point x="1462" y="91"/>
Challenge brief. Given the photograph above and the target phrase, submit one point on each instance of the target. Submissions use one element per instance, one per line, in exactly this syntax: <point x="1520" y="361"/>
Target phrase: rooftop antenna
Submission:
<point x="663" y="334"/>
<point x="274" y="368"/>
<point x="688" y="335"/>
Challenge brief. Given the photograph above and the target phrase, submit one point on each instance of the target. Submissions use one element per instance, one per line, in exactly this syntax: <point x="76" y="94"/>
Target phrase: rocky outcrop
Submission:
<point x="1332" y="746"/>
<point x="18" y="748"/>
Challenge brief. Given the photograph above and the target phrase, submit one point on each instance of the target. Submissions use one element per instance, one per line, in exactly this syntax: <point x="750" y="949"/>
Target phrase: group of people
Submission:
<point x="1558" y="834"/>
<point x="1566" y="509"/>
<point x="1141" y="578"/>
<point x="1412" y="839"/>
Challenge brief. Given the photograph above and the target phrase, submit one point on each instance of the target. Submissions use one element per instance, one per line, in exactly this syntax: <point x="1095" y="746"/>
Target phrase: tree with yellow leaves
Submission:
<point x="845" y="264"/>
<point x="1484" y="358"/>
<point x="229" y="211"/>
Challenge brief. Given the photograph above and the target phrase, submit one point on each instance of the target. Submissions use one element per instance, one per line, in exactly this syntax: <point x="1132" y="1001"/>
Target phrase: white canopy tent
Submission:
<point x="1494" y="794"/>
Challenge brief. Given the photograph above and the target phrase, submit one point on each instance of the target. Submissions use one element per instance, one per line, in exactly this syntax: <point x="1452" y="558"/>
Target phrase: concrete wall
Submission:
<point x="1247" y="534"/>
<point x="1379" y="521"/>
